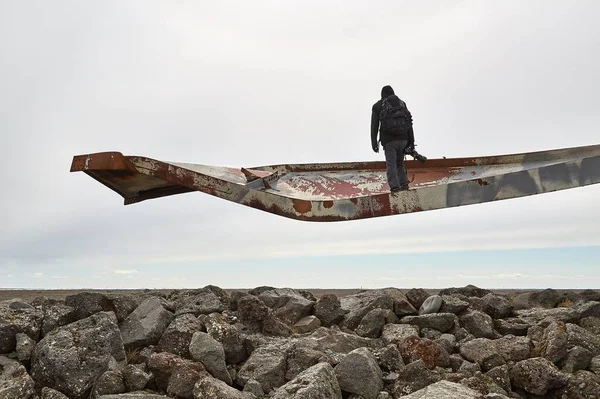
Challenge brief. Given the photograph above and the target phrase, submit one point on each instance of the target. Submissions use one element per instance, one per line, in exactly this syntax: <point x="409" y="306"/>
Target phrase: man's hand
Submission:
<point x="376" y="147"/>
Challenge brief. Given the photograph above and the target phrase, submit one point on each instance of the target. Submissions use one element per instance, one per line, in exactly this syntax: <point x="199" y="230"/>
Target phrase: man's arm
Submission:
<point x="374" y="130"/>
<point x="411" y="133"/>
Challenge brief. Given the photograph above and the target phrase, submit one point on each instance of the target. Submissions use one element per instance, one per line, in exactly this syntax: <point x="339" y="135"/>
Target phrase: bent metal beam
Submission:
<point x="346" y="191"/>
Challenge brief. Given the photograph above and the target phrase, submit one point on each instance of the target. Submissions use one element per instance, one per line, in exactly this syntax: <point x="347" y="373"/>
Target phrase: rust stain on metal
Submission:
<point x="352" y="190"/>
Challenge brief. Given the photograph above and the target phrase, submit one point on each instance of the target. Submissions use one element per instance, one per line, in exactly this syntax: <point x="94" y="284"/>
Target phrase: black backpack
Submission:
<point x="394" y="118"/>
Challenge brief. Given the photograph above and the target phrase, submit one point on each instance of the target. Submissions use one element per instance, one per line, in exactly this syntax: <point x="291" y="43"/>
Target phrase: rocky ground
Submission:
<point x="283" y="343"/>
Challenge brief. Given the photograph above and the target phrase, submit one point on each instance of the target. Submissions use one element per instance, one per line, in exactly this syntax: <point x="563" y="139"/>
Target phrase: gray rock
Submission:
<point x="578" y="336"/>
<point x="384" y="395"/>
<point x="394" y="333"/>
<point x="588" y="309"/>
<point x="86" y="304"/>
<point x="70" y="358"/>
<point x="453" y="304"/>
<point x="178" y="335"/>
<point x="482" y="351"/>
<point x="370" y="325"/>
<point x="536" y="376"/>
<point x="390" y="359"/>
<point x="146" y="324"/>
<point x="432" y="354"/>
<point x="175" y="375"/>
<point x="577" y="358"/>
<point x="430" y="333"/>
<point x="500" y="376"/>
<point x="498" y="307"/>
<point x="254" y="387"/>
<point x="124" y="304"/>
<point x="338" y="341"/>
<point x="444" y="390"/>
<point x="55" y="313"/>
<point x="553" y="345"/>
<point x="252" y="313"/>
<point x="402" y="306"/>
<point x="25" y="346"/>
<point x="483" y="384"/>
<point x="431" y="305"/>
<point x="205" y="301"/>
<point x="301" y="355"/>
<point x="417" y="296"/>
<point x="581" y="384"/>
<point x="513" y="349"/>
<point x="547" y="316"/>
<point x="358" y="305"/>
<point x="307" y="324"/>
<point x="592" y="324"/>
<point x="414" y="377"/>
<point x="267" y="365"/>
<point x="447" y="341"/>
<point x="478" y="323"/>
<point x="288" y="304"/>
<point x="468" y="291"/>
<point x="512" y="325"/>
<point x="359" y="373"/>
<point x="213" y="388"/>
<point x="442" y="322"/>
<point x="49" y="393"/>
<point x="109" y="383"/>
<point x="469" y="368"/>
<point x="319" y="381"/>
<point x="135" y="378"/>
<point x="15" y="383"/>
<point x="594" y="365"/>
<point x="329" y="310"/>
<point x="229" y="336"/>
<point x="210" y="353"/>
<point x="547" y="299"/>
<point x="274" y="326"/>
<point x="17" y="316"/>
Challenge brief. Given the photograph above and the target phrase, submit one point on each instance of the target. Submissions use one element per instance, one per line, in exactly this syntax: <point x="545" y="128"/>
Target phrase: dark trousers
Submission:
<point x="394" y="159"/>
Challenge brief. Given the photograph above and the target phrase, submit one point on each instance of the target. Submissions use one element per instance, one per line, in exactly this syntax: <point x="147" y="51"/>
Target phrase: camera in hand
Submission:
<point x="413" y="153"/>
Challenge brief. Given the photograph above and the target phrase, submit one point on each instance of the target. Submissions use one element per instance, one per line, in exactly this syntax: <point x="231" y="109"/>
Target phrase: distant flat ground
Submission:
<point x="29" y="295"/>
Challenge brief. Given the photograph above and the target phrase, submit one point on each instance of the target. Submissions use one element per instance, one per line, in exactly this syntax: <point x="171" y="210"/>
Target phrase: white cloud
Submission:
<point x="125" y="271"/>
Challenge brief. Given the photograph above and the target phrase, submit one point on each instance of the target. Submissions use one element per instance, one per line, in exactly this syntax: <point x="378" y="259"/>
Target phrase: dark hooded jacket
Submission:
<point x="386" y="137"/>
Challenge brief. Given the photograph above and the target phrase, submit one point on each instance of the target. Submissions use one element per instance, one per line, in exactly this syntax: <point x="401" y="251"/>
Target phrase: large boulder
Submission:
<point x="111" y="382"/>
<point x="17" y="316"/>
<point x="124" y="304"/>
<point x="303" y="354"/>
<point x="229" y="336"/>
<point x="176" y="338"/>
<point x="578" y="336"/>
<point x="307" y="324"/>
<point x="328" y="309"/>
<point x="416" y="296"/>
<point x="358" y="305"/>
<point x="318" y="381"/>
<point x="288" y="304"/>
<point x="209" y="299"/>
<point x="210" y="353"/>
<point x="339" y="341"/>
<point x="267" y="365"/>
<point x="252" y="313"/>
<point x="213" y="388"/>
<point x="442" y="322"/>
<point x="498" y="307"/>
<point x="175" y="375"/>
<point x="412" y="377"/>
<point x="55" y="313"/>
<point x="49" y="393"/>
<point x="547" y="299"/>
<point x="478" y="323"/>
<point x="359" y="373"/>
<point x="370" y="325"/>
<point x="444" y="390"/>
<point x="15" y="383"/>
<point x="70" y="358"/>
<point x="146" y="324"/>
<point x="482" y="351"/>
<point x="86" y="304"/>
<point x="453" y="304"/>
<point x="553" y="344"/>
<point x="536" y="376"/>
<point x="395" y="333"/>
<point x="432" y="353"/>
<point x="546" y="316"/>
<point x="467" y="291"/>
<point x="513" y="349"/>
<point x="402" y="306"/>
<point x="431" y="305"/>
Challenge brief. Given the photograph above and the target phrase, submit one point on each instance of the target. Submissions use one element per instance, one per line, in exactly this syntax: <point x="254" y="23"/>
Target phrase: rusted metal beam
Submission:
<point x="353" y="190"/>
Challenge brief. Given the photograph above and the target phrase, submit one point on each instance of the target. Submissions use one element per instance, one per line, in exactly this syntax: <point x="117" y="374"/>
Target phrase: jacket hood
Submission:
<point x="387" y="91"/>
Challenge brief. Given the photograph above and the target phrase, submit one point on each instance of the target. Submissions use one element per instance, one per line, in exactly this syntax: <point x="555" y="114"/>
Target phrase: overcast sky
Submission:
<point x="266" y="82"/>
